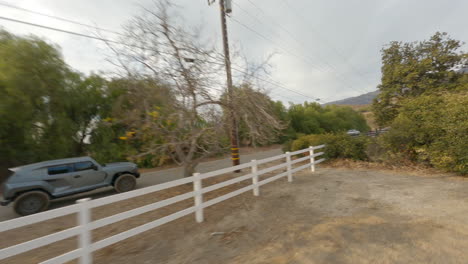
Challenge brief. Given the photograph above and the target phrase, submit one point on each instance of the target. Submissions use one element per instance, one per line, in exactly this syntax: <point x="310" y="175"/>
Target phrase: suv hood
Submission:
<point x="120" y="166"/>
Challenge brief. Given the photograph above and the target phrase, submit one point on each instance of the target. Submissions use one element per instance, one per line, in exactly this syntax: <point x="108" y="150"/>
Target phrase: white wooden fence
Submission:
<point x="83" y="207"/>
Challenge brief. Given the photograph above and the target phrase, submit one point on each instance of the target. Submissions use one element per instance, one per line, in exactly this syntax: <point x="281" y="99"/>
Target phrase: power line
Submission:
<point x="329" y="45"/>
<point x="277" y="85"/>
<point x="60" y="30"/>
<point x="121" y="43"/>
<point x="272" y="95"/>
<point x="303" y="45"/>
<point x="268" y="39"/>
<point x="294" y="38"/>
<point x="276" y="23"/>
<point x="287" y="31"/>
<point x="262" y="23"/>
<point x="121" y="34"/>
<point x="77" y="23"/>
<point x="59" y="18"/>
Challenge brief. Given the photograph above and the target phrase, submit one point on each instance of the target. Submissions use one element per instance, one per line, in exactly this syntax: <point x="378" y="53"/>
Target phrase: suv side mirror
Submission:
<point x="94" y="167"/>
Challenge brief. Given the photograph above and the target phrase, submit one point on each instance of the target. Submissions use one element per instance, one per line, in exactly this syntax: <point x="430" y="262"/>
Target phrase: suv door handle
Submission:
<point x="77" y="176"/>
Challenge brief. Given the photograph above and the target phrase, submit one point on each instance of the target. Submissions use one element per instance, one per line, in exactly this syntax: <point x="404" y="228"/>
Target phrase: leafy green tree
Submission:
<point x="305" y="118"/>
<point x="312" y="118"/>
<point x="337" y="118"/>
<point x="31" y="81"/>
<point x="125" y="128"/>
<point x="432" y="129"/>
<point x="413" y="69"/>
<point x="338" y="145"/>
<point x="46" y="109"/>
<point x="281" y="113"/>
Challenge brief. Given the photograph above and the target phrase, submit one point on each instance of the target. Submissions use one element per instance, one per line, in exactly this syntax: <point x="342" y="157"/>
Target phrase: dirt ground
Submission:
<point x="332" y="216"/>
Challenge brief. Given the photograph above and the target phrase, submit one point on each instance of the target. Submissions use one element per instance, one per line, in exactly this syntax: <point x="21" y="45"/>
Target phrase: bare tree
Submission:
<point x="193" y="126"/>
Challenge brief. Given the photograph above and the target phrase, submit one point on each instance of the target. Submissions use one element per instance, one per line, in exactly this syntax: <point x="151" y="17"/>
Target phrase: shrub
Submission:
<point x="337" y="145"/>
<point x="432" y="129"/>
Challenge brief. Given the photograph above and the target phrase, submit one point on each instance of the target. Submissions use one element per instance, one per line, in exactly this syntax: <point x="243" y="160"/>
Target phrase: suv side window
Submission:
<point x="85" y="165"/>
<point x="66" y="168"/>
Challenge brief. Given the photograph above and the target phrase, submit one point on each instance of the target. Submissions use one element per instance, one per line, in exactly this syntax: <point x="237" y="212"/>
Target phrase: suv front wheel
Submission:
<point x="31" y="202"/>
<point x="125" y="183"/>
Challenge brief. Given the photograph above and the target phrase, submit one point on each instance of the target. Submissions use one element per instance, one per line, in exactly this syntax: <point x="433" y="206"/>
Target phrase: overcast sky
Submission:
<point x="327" y="49"/>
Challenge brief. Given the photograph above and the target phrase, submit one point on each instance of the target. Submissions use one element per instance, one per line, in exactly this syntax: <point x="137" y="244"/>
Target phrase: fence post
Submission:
<point x="256" y="190"/>
<point x="197" y="188"/>
<point x="84" y="238"/>
<point x="312" y="159"/>
<point x="288" y="160"/>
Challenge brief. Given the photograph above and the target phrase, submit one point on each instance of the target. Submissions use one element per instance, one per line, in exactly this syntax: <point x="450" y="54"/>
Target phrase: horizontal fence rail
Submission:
<point x="83" y="207"/>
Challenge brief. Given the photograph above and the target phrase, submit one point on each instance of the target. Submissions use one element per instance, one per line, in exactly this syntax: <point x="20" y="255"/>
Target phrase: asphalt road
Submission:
<point x="148" y="179"/>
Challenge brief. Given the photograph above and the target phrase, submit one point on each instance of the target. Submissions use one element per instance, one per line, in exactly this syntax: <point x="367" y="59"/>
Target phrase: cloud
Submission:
<point x="327" y="49"/>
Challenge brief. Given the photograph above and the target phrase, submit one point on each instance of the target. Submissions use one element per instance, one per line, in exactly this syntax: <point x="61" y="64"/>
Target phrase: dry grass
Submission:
<point x="403" y="167"/>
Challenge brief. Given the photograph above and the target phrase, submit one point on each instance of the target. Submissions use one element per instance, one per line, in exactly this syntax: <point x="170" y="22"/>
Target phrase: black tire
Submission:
<point x="31" y="202"/>
<point x="125" y="183"/>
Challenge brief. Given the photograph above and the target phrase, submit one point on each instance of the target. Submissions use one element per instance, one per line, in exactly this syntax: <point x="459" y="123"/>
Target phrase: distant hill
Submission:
<point x="363" y="99"/>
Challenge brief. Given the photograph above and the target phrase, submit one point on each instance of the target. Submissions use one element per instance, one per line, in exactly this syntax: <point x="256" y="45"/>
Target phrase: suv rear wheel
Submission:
<point x="31" y="202"/>
<point x="125" y="183"/>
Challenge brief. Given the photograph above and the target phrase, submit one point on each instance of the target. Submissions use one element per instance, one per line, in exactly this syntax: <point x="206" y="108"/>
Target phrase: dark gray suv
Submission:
<point x="32" y="186"/>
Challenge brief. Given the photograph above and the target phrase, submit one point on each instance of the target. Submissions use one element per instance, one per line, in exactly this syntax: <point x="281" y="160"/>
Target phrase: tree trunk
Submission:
<point x="189" y="169"/>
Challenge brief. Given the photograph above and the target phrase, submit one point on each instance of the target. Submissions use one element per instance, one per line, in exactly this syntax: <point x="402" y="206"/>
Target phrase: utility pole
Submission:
<point x="225" y="6"/>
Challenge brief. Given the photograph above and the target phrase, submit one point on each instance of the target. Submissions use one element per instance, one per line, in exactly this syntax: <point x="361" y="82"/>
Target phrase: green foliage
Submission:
<point x="125" y="128"/>
<point x="424" y="101"/>
<point x="312" y="118"/>
<point x="338" y="145"/>
<point x="46" y="109"/>
<point x="281" y="112"/>
<point x="106" y="145"/>
<point x="413" y="69"/>
<point x="433" y="129"/>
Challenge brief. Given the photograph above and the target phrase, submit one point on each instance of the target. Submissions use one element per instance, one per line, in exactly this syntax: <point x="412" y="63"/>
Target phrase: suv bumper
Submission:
<point x="5" y="202"/>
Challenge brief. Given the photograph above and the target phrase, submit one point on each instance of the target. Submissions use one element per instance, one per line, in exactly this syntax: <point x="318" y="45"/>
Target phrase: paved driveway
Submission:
<point x="148" y="179"/>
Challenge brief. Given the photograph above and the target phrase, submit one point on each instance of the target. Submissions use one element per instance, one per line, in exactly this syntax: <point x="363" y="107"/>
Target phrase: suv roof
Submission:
<point x="49" y="163"/>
